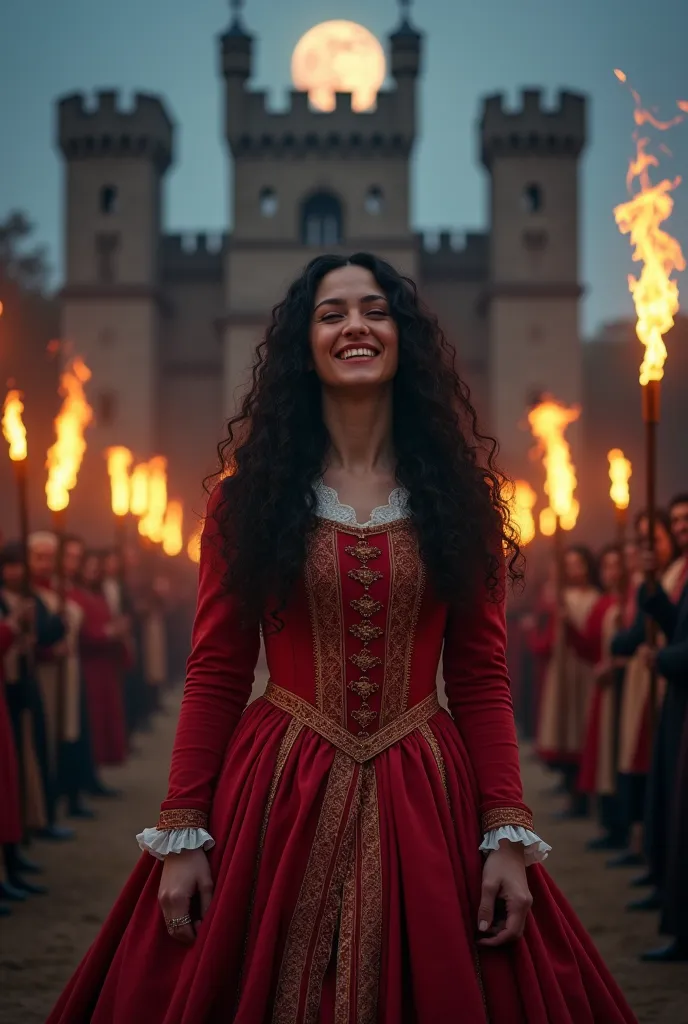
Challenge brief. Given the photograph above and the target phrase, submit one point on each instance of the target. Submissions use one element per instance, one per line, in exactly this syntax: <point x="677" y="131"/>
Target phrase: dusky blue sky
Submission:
<point x="471" y="49"/>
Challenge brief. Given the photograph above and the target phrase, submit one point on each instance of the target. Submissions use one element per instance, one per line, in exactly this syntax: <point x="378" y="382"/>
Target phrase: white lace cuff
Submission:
<point x="535" y="849"/>
<point x="159" y="842"/>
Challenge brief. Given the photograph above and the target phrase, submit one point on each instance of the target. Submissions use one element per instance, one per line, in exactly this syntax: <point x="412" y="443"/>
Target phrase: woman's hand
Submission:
<point x="183" y="875"/>
<point x="504" y="877"/>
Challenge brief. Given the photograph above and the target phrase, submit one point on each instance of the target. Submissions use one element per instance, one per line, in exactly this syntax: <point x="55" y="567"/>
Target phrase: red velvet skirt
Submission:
<point x="103" y="676"/>
<point x="343" y="892"/>
<point x="10" y="801"/>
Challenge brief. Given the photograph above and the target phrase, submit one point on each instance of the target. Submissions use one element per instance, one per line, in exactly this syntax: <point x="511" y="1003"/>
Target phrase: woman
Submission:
<point x="635" y="739"/>
<point x="598" y="764"/>
<point x="339" y="818"/>
<point x="568" y="682"/>
<point x="102" y="649"/>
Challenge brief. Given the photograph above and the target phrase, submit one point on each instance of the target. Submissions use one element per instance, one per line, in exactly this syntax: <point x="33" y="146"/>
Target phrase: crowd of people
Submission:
<point x="88" y="644"/>
<point x="606" y="654"/>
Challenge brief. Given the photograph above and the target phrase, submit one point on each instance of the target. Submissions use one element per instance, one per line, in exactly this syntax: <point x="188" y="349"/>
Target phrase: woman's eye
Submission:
<point x="377" y="312"/>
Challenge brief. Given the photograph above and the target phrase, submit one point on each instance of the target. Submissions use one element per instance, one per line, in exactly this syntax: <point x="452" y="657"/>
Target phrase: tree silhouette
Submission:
<point x="20" y="263"/>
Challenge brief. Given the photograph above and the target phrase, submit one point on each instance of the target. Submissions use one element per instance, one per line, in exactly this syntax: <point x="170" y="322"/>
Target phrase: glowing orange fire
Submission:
<point x="152" y="523"/>
<point x="620" y="471"/>
<point x="193" y="547"/>
<point x="13" y="426"/>
<point x="548" y="422"/>
<point x="548" y="522"/>
<point x="655" y="292"/>
<point x="138" y="501"/>
<point x="65" y="456"/>
<point x="521" y="504"/>
<point x="119" y="460"/>
<point x="172" y="537"/>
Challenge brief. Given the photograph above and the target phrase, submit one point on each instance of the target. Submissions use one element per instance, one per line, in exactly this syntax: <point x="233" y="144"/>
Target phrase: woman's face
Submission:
<point x="354" y="340"/>
<point x="575" y="569"/>
<point x="611" y="571"/>
<point x="664" y="549"/>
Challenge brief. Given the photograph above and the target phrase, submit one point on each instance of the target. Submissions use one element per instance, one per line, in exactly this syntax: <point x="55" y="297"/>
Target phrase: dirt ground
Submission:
<point x="43" y="941"/>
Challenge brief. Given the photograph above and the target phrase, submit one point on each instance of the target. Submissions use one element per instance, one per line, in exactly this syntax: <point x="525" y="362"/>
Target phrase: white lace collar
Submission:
<point x="330" y="507"/>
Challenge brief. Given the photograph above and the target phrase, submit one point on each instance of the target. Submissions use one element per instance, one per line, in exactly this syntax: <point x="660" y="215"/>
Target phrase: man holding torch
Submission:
<point x="668" y="794"/>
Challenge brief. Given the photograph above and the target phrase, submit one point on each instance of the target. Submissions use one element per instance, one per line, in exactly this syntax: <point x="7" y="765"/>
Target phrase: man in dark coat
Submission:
<point x="671" y="662"/>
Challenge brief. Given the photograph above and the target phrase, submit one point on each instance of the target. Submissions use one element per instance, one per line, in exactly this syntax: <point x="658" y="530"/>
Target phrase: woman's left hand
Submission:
<point x="504" y="877"/>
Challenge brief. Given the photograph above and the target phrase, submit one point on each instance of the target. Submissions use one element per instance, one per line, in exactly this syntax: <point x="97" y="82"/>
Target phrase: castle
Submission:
<point x="169" y="328"/>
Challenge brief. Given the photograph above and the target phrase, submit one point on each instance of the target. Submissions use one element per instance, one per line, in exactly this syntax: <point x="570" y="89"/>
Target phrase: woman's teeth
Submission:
<point x="353" y="353"/>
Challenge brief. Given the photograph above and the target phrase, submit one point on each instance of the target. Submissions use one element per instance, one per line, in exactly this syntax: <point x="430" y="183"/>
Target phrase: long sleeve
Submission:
<point x="50" y="629"/>
<point x="220" y="673"/>
<point x="627" y="641"/>
<point x="660" y="607"/>
<point x="672" y="662"/>
<point x="479" y="698"/>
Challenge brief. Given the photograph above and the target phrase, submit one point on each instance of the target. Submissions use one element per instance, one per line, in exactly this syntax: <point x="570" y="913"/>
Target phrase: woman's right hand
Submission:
<point x="183" y="875"/>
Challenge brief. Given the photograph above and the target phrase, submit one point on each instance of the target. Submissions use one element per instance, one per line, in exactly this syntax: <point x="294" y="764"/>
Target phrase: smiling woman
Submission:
<point x="344" y="849"/>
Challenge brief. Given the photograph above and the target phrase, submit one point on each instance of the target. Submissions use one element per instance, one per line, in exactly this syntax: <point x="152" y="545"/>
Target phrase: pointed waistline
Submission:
<point x="357" y="749"/>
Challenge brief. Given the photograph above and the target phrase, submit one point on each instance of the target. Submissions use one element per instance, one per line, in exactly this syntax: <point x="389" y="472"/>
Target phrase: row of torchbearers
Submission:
<point x="137" y="489"/>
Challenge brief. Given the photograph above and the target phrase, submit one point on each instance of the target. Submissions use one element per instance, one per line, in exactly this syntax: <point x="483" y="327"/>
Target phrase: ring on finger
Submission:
<point x="177" y="922"/>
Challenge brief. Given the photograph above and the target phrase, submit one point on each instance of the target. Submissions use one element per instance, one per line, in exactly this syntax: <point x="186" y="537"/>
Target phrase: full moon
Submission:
<point x="338" y="56"/>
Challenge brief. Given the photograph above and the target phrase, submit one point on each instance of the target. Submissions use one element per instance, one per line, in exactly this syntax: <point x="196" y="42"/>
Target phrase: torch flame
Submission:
<point x="172" y="542"/>
<point x="655" y="292"/>
<point x="193" y="548"/>
<point x="548" y="421"/>
<point x="521" y="504"/>
<point x="138" y="503"/>
<point x="619" y="473"/>
<point x="119" y="460"/>
<point x="13" y="426"/>
<point x="64" y="457"/>
<point x="548" y="522"/>
<point x="152" y="523"/>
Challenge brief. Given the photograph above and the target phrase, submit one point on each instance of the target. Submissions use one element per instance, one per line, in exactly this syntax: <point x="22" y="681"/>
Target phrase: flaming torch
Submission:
<point x="655" y="292"/>
<point x="521" y="504"/>
<point x="193" y="547"/>
<point x="172" y="539"/>
<point x="15" y="434"/>
<point x="620" y="470"/>
<point x="119" y="460"/>
<point x="138" y="501"/>
<point x="548" y="422"/>
<point x="151" y="525"/>
<point x="655" y="295"/>
<point x="65" y="456"/>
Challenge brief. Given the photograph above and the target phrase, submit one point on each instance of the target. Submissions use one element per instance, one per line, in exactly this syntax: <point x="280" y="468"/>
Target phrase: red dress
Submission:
<point x="598" y="767"/>
<point x="10" y="799"/>
<point x="102" y="666"/>
<point x="348" y="810"/>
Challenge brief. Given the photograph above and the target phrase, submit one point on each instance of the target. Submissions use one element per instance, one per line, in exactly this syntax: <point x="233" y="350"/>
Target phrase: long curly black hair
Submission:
<point x="276" y="448"/>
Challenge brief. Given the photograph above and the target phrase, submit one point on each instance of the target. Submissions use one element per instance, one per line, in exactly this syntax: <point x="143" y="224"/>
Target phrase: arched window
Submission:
<point x="321" y="220"/>
<point x="374" y="201"/>
<point x="269" y="203"/>
<point x="108" y="199"/>
<point x="533" y="199"/>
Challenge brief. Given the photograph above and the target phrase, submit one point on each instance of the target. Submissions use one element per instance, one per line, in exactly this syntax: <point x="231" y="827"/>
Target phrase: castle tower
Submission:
<point x="115" y="161"/>
<point x="532" y="156"/>
<point x="307" y="182"/>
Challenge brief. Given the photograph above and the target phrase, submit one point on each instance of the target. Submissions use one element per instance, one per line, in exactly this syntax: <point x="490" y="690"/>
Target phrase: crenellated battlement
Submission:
<point x="449" y="255"/>
<point x="193" y="256"/>
<point x="105" y="127"/>
<point x="299" y="130"/>
<point x="532" y="127"/>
